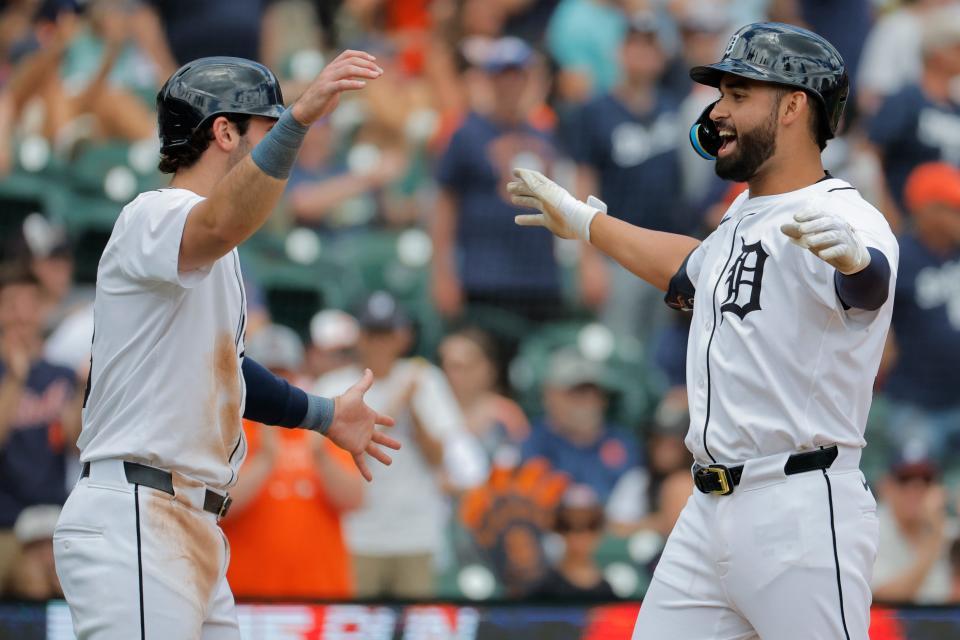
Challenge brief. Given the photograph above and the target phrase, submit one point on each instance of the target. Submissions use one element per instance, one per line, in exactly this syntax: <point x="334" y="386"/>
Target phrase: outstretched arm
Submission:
<point x="346" y="420"/>
<point x="243" y="200"/>
<point x="654" y="256"/>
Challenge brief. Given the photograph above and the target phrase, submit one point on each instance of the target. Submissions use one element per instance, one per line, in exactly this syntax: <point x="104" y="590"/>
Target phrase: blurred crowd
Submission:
<point x="538" y="387"/>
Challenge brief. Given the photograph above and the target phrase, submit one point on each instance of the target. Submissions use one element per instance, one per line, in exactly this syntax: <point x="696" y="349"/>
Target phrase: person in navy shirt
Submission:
<point x="574" y="436"/>
<point x="478" y="259"/>
<point x="922" y="385"/>
<point x="921" y="122"/>
<point x="625" y="144"/>
<point x="35" y="398"/>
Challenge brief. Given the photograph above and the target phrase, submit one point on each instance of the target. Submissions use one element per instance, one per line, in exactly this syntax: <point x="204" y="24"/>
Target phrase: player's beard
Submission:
<point x="753" y="149"/>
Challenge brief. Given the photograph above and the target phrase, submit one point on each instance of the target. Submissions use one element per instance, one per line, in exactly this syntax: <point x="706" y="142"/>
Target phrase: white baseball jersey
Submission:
<point x="775" y="363"/>
<point x="166" y="388"/>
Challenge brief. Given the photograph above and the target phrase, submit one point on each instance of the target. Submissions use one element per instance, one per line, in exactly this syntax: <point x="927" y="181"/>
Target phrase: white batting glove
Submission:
<point x="830" y="238"/>
<point x="561" y="213"/>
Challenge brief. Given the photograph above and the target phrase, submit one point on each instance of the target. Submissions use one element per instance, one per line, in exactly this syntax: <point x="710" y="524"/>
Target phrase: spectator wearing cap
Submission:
<point x="913" y="562"/>
<point x="625" y="143"/>
<point x="574" y="435"/>
<point x="583" y="38"/>
<point x="478" y="260"/>
<point x="576" y="576"/>
<point x="394" y="537"/>
<point x="333" y="342"/>
<point x="294" y="488"/>
<point x="921" y="122"/>
<point x="34" y="576"/>
<point x="926" y="315"/>
<point x="50" y="256"/>
<point x="35" y="400"/>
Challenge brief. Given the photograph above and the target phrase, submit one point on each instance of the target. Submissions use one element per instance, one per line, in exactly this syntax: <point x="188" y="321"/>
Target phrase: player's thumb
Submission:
<point x="792" y="231"/>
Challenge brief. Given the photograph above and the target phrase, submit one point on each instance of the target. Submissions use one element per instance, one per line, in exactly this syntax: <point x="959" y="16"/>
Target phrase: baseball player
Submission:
<point x="791" y="300"/>
<point x="138" y="548"/>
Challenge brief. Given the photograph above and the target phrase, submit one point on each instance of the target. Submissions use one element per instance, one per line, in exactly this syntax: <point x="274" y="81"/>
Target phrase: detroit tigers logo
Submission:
<point x="744" y="279"/>
<point x="731" y="45"/>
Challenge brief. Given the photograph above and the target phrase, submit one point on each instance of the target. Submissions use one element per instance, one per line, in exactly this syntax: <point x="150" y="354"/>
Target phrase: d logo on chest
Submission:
<point x="744" y="279"/>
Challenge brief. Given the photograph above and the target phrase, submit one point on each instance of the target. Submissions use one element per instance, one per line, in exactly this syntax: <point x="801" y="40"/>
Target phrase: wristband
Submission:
<point x="319" y="414"/>
<point x="276" y="153"/>
<point x="579" y="215"/>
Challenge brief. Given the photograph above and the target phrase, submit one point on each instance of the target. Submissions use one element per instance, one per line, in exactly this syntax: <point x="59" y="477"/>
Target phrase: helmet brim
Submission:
<point x="712" y="74"/>
<point x="269" y="111"/>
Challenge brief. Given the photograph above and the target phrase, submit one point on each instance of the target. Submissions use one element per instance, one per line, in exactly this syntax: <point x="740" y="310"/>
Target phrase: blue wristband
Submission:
<point x="867" y="289"/>
<point x="319" y="414"/>
<point x="276" y="153"/>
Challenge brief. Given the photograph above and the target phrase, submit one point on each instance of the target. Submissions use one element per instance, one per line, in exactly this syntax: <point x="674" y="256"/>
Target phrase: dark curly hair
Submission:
<point x="185" y="157"/>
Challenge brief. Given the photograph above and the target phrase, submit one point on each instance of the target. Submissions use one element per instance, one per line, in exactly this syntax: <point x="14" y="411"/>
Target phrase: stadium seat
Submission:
<point x="23" y="193"/>
<point x="106" y="170"/>
<point x="89" y="222"/>
<point x="294" y="291"/>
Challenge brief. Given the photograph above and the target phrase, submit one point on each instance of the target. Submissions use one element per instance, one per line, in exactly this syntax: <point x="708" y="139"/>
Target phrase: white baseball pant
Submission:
<point x="781" y="558"/>
<point x="135" y="562"/>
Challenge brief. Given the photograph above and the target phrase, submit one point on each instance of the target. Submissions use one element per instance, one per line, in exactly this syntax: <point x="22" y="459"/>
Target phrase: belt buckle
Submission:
<point x="224" y="507"/>
<point x="723" y="477"/>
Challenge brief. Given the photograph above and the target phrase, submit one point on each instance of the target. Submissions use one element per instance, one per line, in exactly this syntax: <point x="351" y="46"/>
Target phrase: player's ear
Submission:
<point x="225" y="134"/>
<point x="794" y="106"/>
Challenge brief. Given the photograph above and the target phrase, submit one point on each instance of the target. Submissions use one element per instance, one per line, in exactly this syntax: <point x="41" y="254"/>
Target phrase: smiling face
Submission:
<point x="747" y="117"/>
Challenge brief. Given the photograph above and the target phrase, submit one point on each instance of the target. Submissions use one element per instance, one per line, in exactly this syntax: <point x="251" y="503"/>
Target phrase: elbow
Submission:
<point x="352" y="503"/>
<point x="224" y="237"/>
<point x="349" y="498"/>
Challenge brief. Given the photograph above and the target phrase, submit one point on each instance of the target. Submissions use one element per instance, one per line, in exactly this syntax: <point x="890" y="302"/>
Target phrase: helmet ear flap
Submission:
<point x="704" y="136"/>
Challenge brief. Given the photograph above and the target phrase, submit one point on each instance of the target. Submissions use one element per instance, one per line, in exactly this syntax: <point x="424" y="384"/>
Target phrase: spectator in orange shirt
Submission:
<point x="284" y="525"/>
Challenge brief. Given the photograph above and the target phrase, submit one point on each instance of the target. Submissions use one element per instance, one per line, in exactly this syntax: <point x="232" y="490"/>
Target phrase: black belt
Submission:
<point x="162" y="480"/>
<point x="720" y="479"/>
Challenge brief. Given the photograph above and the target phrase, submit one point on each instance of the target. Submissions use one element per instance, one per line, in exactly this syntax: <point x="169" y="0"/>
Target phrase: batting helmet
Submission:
<point x="208" y="87"/>
<point x="786" y="55"/>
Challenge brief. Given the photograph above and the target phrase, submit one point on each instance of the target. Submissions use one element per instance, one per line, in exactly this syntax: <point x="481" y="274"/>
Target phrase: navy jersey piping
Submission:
<point x="241" y="324"/>
<point x="836" y="557"/>
<point x="241" y="327"/>
<point x="713" y="331"/>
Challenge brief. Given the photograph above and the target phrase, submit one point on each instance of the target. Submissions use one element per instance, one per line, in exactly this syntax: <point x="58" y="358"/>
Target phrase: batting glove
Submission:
<point x="560" y="212"/>
<point x="830" y="238"/>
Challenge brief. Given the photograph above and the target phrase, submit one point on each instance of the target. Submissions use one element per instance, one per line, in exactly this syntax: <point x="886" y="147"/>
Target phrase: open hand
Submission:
<point x="561" y="213"/>
<point x="830" y="238"/>
<point x="348" y="72"/>
<point x="354" y="427"/>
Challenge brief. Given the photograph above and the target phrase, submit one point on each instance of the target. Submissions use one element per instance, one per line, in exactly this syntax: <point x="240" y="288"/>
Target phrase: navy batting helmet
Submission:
<point x="785" y="55"/>
<point x="208" y="87"/>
